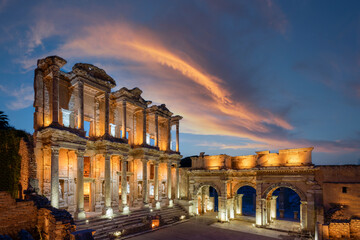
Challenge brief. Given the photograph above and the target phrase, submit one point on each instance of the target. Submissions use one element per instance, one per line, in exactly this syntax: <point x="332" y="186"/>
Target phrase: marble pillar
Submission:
<point x="156" y="130"/>
<point x="239" y="204"/>
<point x="55" y="177"/>
<point x="125" y="207"/>
<point x="123" y="120"/>
<point x="81" y="104"/>
<point x="273" y="207"/>
<point x="169" y="180"/>
<point x="55" y="97"/>
<point x="177" y="137"/>
<point x="107" y="110"/>
<point x="144" y="127"/>
<point x="156" y="187"/>
<point x="177" y="184"/>
<point x="145" y="182"/>
<point x="169" y="136"/>
<point x="107" y="210"/>
<point x="303" y="215"/>
<point x="80" y="213"/>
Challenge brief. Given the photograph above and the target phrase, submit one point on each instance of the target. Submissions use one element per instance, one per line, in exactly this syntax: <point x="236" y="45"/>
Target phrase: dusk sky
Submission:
<point x="245" y="75"/>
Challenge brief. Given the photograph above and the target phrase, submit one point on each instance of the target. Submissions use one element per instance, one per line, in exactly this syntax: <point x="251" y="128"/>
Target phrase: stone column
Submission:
<point x="124" y="186"/>
<point x="108" y="210"/>
<point x="116" y="121"/>
<point x="259" y="206"/>
<point x="156" y="187"/>
<point x="80" y="214"/>
<point x="123" y="120"/>
<point x="273" y="207"/>
<point x="223" y="213"/>
<point x="203" y="207"/>
<point x="144" y="127"/>
<point x="55" y="177"/>
<point x="81" y="104"/>
<point x="156" y="130"/>
<point x="239" y="204"/>
<point x="177" y="137"/>
<point x="232" y="208"/>
<point x="169" y="136"/>
<point x="145" y="182"/>
<point x="107" y="109"/>
<point x="177" y="189"/>
<point x="303" y="215"/>
<point x="55" y="97"/>
<point x="169" y="180"/>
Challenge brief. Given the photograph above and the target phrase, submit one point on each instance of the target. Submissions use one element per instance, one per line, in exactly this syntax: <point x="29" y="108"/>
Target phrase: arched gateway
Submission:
<point x="265" y="173"/>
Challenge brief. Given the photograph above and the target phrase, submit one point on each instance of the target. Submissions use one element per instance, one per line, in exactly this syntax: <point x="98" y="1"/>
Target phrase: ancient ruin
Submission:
<point x="124" y="159"/>
<point x="98" y="151"/>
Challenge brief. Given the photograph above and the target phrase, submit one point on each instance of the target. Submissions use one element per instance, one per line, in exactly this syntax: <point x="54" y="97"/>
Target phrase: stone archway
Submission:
<point x="211" y="184"/>
<point x="242" y="184"/>
<point x="270" y="189"/>
<point x="268" y="205"/>
<point x="199" y="194"/>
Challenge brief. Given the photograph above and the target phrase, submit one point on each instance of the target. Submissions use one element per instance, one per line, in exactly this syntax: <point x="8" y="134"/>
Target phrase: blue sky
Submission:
<point x="245" y="75"/>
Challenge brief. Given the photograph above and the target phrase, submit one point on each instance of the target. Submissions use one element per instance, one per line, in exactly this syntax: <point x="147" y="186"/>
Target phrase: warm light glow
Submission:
<point x="87" y="188"/>
<point x="155" y="223"/>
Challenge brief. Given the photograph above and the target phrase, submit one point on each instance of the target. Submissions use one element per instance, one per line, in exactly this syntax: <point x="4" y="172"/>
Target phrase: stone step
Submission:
<point x="104" y="226"/>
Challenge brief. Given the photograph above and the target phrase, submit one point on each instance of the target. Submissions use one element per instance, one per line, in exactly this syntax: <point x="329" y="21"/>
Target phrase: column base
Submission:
<point x="157" y="205"/>
<point x="108" y="212"/>
<point x="146" y="205"/>
<point x="171" y="203"/>
<point x="80" y="215"/>
<point x="125" y="209"/>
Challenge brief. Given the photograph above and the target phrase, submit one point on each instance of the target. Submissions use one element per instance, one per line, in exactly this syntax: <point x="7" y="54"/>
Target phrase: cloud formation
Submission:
<point x="207" y="66"/>
<point x="24" y="97"/>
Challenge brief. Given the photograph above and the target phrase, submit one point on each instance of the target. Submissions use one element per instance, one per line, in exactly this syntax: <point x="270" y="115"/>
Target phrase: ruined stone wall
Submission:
<point x="28" y="165"/>
<point x="341" y="186"/>
<point x="15" y="216"/>
<point x="344" y="230"/>
<point x="50" y="228"/>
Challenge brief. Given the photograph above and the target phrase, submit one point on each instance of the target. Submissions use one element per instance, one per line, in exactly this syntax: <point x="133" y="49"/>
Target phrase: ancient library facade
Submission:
<point x="103" y="151"/>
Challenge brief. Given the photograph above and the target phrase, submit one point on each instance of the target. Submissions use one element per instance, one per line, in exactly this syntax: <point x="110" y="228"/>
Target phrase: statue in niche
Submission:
<point x="139" y="189"/>
<point x="163" y="188"/>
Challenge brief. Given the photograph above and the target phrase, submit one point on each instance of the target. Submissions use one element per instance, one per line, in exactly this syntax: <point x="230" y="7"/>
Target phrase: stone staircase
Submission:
<point x="103" y="225"/>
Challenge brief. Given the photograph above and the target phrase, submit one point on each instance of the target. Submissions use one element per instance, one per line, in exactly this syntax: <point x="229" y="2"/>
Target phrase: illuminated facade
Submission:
<point x="328" y="196"/>
<point x="98" y="150"/>
<point x="265" y="172"/>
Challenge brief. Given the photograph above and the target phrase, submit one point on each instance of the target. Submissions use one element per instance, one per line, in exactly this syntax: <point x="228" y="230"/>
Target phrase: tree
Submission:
<point x="4" y="121"/>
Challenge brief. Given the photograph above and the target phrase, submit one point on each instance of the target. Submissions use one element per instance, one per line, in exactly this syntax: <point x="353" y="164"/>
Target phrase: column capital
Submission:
<point x="274" y="197"/>
<point x="55" y="150"/>
<point x="80" y="152"/>
<point x="303" y="202"/>
<point x="240" y="195"/>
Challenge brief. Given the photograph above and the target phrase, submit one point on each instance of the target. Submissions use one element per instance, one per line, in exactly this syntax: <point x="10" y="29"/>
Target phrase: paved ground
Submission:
<point x="209" y="228"/>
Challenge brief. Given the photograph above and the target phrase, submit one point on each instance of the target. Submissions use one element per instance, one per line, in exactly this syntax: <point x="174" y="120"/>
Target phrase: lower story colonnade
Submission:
<point x="106" y="179"/>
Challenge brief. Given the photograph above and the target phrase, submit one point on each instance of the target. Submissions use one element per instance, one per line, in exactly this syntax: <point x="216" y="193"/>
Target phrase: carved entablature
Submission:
<point x="176" y="119"/>
<point x="131" y="95"/>
<point x="161" y="110"/>
<point x="47" y="64"/>
<point x="92" y="73"/>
